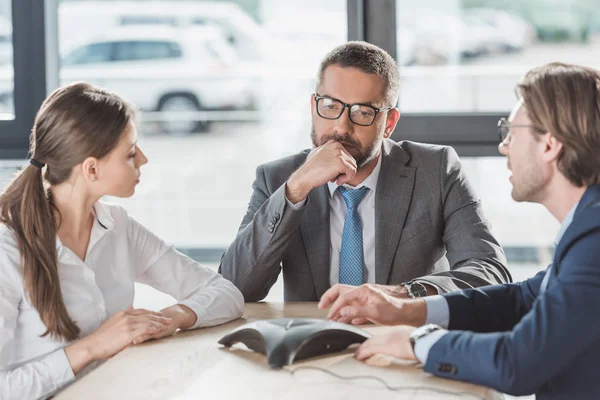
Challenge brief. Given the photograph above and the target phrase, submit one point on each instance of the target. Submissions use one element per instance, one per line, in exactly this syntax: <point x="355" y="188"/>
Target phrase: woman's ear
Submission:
<point x="90" y="168"/>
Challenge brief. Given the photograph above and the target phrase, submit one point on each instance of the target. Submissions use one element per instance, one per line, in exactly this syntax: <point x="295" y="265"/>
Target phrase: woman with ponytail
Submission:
<point x="68" y="261"/>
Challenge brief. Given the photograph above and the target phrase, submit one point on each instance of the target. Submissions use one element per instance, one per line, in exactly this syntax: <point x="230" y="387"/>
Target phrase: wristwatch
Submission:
<point x="415" y="289"/>
<point x="422" y="331"/>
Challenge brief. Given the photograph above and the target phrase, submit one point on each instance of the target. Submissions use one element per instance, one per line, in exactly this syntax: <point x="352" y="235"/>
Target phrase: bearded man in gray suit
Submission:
<point x="359" y="207"/>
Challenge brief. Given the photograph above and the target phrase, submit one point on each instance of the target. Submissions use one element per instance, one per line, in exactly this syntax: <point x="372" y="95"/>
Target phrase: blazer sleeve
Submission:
<point x="475" y="256"/>
<point x="492" y="308"/>
<point x="562" y="324"/>
<point x="253" y="261"/>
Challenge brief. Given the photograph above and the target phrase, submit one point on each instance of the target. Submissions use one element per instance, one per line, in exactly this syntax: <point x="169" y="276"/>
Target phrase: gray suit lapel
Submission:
<point x="392" y="199"/>
<point x="316" y="236"/>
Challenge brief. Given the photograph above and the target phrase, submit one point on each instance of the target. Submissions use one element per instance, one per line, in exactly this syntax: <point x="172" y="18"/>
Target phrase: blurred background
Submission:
<point x="225" y="85"/>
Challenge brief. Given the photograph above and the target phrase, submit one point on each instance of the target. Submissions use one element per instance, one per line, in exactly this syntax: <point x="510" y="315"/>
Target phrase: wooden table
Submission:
<point x="192" y="365"/>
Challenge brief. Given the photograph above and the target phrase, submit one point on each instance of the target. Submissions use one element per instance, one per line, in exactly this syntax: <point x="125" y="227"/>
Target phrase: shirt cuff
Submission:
<point x="201" y="311"/>
<point x="425" y="343"/>
<point x="60" y="367"/>
<point x="296" y="206"/>
<point x="438" y="312"/>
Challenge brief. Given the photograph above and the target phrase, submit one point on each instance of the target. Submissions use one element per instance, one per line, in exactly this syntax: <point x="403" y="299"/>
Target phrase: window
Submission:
<point x="214" y="113"/>
<point x="200" y="21"/>
<point x="460" y="62"/>
<point x="471" y="53"/>
<point x="90" y="54"/>
<point x="146" y="50"/>
<point x="241" y="97"/>
<point x="147" y="20"/>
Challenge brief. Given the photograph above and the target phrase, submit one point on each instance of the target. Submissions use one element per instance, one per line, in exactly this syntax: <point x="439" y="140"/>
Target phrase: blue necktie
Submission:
<point x="351" y="252"/>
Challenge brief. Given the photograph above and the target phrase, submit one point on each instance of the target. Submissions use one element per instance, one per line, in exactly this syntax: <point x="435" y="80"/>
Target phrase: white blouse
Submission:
<point x="121" y="251"/>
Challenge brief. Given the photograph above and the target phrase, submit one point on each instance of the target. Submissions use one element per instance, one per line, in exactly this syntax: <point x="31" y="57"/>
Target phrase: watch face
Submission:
<point x="418" y="290"/>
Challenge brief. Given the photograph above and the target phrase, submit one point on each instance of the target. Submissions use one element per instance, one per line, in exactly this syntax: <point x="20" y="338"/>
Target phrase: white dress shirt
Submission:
<point x="337" y="217"/>
<point x="438" y="311"/>
<point x="121" y="251"/>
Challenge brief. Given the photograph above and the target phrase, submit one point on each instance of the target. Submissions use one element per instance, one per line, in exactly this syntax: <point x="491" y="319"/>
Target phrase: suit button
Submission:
<point x="447" y="369"/>
<point x="271" y="230"/>
<point x="273" y="220"/>
<point x="277" y="215"/>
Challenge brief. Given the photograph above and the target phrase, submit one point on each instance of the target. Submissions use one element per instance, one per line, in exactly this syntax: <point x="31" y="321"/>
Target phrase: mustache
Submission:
<point x="341" y="139"/>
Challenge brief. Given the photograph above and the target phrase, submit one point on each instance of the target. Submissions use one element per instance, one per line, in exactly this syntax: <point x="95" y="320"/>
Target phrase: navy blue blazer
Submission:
<point x="530" y="337"/>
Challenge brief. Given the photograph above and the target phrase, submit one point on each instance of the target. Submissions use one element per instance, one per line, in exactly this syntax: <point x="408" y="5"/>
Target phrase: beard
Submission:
<point x="365" y="154"/>
<point x="528" y="185"/>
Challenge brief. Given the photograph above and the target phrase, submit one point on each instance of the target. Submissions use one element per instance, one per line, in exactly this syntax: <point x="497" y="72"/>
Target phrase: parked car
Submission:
<point x="442" y="38"/>
<point x="517" y="33"/>
<point x="157" y="69"/>
<point x="241" y="31"/>
<point x="160" y="69"/>
<point x="448" y="37"/>
<point x="555" y="24"/>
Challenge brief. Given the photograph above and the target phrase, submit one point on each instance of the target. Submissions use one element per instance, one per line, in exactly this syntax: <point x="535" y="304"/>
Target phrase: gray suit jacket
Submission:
<point x="428" y="224"/>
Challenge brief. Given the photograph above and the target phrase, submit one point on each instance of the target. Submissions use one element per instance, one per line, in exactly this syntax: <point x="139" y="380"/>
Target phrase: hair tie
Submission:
<point x="36" y="163"/>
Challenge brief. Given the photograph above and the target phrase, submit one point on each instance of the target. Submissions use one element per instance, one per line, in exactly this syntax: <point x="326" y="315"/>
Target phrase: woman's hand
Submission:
<point x="115" y="334"/>
<point x="182" y="317"/>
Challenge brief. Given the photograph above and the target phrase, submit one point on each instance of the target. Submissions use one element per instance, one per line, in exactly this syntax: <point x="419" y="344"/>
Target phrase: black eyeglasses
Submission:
<point x="360" y="114"/>
<point x="504" y="130"/>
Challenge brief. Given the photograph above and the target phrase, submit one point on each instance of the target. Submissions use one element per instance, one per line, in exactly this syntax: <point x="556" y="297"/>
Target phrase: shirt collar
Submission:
<point x="565" y="224"/>
<point x="370" y="181"/>
<point x="103" y="219"/>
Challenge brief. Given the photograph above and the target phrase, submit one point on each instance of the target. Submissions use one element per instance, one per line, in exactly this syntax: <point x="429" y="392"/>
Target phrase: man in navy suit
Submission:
<point x="540" y="336"/>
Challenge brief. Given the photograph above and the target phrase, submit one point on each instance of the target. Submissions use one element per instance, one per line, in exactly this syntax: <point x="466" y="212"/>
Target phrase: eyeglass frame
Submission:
<point x="503" y="123"/>
<point x="349" y="106"/>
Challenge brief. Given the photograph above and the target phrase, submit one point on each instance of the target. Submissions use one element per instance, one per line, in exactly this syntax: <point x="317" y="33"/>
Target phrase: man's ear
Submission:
<point x="553" y="148"/>
<point x="393" y="116"/>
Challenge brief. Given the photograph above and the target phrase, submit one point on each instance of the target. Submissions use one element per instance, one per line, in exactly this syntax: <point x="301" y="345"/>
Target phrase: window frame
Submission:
<point x="472" y="134"/>
<point x="28" y="21"/>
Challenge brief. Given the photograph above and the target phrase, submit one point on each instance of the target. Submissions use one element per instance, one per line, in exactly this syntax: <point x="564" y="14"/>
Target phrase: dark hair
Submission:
<point x="75" y="122"/>
<point x="564" y="100"/>
<point x="370" y="59"/>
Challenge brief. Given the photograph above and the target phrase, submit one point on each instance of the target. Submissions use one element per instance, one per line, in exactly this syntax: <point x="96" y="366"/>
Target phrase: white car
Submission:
<point x="447" y="38"/>
<point x="160" y="69"/>
<point x="241" y="31"/>
<point x="517" y="33"/>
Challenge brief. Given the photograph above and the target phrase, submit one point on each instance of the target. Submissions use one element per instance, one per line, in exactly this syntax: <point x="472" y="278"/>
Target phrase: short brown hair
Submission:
<point x="370" y="59"/>
<point x="564" y="100"/>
